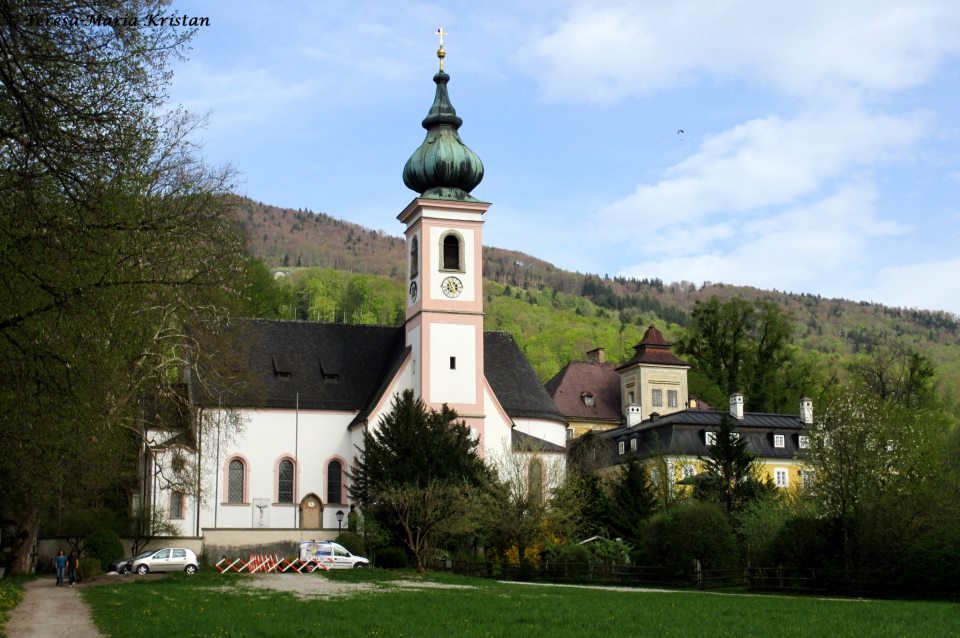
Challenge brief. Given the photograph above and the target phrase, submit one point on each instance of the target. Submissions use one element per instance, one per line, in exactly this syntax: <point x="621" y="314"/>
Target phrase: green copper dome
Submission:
<point x="443" y="167"/>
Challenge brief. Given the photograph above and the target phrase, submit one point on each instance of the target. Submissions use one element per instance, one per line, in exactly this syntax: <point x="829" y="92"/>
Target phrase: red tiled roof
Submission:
<point x="653" y="348"/>
<point x="653" y="337"/>
<point x="599" y="379"/>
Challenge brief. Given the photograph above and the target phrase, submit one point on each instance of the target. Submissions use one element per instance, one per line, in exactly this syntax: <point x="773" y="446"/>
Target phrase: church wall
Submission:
<point x="551" y="431"/>
<point x="497" y="439"/>
<point x="312" y="439"/>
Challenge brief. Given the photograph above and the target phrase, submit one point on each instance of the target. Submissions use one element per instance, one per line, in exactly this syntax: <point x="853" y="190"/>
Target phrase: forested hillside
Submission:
<point x="557" y="315"/>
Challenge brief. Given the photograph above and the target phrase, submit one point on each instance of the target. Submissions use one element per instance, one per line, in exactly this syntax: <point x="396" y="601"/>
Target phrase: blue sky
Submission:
<point x="820" y="149"/>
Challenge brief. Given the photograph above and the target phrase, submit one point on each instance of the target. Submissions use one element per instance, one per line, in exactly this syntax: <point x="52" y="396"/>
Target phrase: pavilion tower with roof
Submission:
<point x="653" y="380"/>
<point x="444" y="283"/>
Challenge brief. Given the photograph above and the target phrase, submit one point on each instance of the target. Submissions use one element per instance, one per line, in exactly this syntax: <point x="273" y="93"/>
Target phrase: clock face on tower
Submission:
<point x="413" y="291"/>
<point x="451" y="287"/>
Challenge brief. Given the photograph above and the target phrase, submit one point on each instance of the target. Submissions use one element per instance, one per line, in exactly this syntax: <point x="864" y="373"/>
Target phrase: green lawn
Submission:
<point x="214" y="605"/>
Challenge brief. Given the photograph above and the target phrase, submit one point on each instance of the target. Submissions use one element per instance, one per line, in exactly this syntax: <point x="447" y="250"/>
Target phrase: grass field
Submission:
<point x="214" y="605"/>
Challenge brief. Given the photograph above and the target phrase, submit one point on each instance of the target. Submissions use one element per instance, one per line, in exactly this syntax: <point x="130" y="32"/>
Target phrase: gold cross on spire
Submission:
<point x="440" y="52"/>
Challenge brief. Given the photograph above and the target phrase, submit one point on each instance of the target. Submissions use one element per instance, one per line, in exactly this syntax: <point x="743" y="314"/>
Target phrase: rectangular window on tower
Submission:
<point x="657" y="398"/>
<point x="453" y="363"/>
<point x="672" y="399"/>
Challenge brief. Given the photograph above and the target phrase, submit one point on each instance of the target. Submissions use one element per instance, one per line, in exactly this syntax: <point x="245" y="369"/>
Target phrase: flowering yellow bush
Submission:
<point x="512" y="556"/>
<point x="10" y="596"/>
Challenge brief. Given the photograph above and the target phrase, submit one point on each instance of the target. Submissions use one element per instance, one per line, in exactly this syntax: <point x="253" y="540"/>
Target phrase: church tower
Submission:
<point x="444" y="304"/>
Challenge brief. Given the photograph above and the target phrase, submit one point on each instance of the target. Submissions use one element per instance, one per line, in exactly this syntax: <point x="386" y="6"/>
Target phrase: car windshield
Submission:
<point x="143" y="555"/>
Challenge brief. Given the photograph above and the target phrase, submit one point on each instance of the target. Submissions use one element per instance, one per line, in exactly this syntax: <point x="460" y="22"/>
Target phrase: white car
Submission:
<point x="168" y="559"/>
<point x="331" y="555"/>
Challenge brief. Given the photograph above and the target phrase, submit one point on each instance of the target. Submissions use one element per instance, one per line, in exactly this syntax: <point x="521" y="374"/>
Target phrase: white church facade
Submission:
<point x="315" y="388"/>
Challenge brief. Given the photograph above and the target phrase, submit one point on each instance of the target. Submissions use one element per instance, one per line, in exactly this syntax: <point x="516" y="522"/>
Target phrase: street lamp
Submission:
<point x="339" y="520"/>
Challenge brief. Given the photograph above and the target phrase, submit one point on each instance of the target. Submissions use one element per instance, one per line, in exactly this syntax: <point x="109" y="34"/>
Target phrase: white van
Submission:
<point x="332" y="555"/>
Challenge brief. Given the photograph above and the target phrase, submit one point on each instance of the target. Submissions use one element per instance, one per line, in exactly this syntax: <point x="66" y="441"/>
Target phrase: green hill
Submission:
<point x="341" y="271"/>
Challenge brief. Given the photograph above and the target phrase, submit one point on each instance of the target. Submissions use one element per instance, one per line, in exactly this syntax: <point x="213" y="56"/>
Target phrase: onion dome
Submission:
<point x="443" y="167"/>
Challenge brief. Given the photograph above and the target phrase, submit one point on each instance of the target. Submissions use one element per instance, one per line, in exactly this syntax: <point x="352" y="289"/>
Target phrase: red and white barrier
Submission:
<point x="265" y="563"/>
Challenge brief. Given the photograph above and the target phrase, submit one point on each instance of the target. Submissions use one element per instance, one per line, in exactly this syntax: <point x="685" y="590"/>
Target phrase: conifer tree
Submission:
<point x="731" y="468"/>
<point x="631" y="500"/>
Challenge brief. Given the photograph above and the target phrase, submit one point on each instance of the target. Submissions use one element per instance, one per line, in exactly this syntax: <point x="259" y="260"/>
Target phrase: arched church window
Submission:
<point x="535" y="481"/>
<point x="414" y="257"/>
<point x="452" y="252"/>
<point x="334" y="482"/>
<point x="285" y="482"/>
<point x="235" y="476"/>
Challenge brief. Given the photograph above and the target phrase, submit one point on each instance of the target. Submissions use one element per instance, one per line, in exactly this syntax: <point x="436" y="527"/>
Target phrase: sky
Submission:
<point x="809" y="147"/>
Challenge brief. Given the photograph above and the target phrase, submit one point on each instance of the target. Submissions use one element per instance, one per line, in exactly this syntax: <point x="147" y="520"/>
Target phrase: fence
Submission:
<point x="780" y="579"/>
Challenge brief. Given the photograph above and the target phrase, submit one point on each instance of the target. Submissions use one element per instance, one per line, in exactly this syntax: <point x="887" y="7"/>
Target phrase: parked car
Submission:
<point x="332" y="555"/>
<point x="168" y="559"/>
<point x="121" y="565"/>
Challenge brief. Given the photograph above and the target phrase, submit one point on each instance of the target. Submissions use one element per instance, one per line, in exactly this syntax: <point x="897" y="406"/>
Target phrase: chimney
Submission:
<point x="736" y="406"/>
<point x="806" y="411"/>
<point x="634" y="415"/>
<point x="597" y="355"/>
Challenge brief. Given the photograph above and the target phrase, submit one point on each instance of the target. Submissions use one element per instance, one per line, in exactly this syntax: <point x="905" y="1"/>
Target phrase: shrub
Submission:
<point x="105" y="546"/>
<point x="574" y="553"/>
<point x="391" y="558"/>
<point x="352" y="542"/>
<point x="609" y="551"/>
<point x="691" y="531"/>
<point x="11" y="593"/>
<point x="933" y="561"/>
<point x="89" y="568"/>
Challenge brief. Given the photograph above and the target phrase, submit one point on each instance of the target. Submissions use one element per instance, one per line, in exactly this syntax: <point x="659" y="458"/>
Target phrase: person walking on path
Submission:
<point x="60" y="564"/>
<point x="73" y="563"/>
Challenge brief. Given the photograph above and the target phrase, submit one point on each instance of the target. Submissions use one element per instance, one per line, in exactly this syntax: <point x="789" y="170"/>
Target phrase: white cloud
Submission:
<point x="603" y="51"/>
<point x="238" y="96"/>
<point x="823" y="244"/>
<point x="934" y="285"/>
<point x="766" y="162"/>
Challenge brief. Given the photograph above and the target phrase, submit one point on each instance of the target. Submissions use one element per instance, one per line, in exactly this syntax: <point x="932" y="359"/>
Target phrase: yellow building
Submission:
<point x="659" y="422"/>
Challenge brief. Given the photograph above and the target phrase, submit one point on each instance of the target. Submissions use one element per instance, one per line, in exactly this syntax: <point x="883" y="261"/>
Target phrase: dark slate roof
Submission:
<point x="523" y="442"/>
<point x="578" y="377"/>
<point x="653" y="348"/>
<point x="513" y="381"/>
<point x="330" y="366"/>
<point x="682" y="433"/>
<point x="348" y="367"/>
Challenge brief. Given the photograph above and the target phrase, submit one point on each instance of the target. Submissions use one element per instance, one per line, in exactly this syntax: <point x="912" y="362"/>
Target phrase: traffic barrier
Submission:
<point x="265" y="563"/>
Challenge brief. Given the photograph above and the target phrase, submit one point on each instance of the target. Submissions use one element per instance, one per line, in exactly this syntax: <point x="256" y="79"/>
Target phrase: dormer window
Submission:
<point x="710" y="438"/>
<point x="327" y="373"/>
<point x="587" y="398"/>
<point x="451" y="248"/>
<point x="281" y="366"/>
<point x="621" y="447"/>
<point x="779" y="440"/>
<point x="803" y="442"/>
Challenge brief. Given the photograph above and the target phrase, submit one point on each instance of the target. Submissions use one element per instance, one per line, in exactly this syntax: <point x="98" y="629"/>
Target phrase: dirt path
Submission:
<point x="48" y="611"/>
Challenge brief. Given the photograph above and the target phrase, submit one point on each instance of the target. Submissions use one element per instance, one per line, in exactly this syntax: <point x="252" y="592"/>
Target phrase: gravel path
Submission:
<point x="48" y="611"/>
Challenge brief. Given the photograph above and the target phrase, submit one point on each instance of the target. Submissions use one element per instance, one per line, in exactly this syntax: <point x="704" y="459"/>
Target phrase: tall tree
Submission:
<point x="113" y="239"/>
<point x="865" y="451"/>
<point x="414" y="470"/>
<point x="631" y="501"/>
<point x="895" y="371"/>
<point x="732" y="468"/>
<point x="742" y="346"/>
